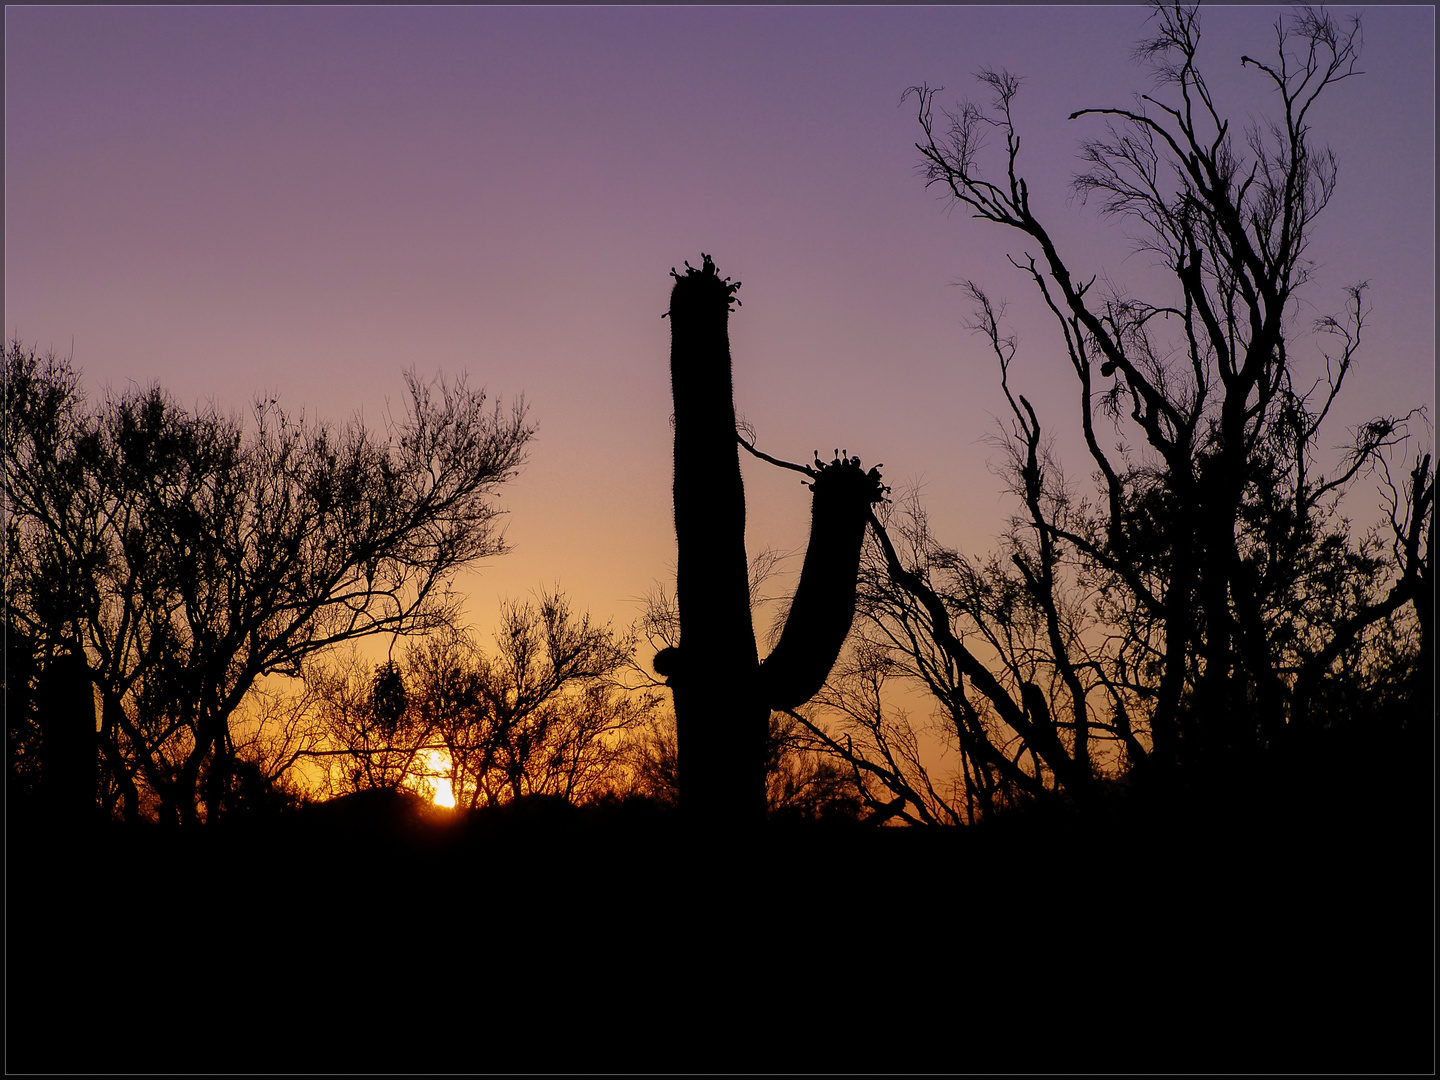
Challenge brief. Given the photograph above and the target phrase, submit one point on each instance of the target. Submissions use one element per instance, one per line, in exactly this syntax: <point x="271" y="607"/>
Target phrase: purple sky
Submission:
<point x="305" y="201"/>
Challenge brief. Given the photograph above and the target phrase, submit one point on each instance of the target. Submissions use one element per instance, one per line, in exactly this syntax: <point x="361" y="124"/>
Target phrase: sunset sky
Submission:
<point x="306" y="201"/>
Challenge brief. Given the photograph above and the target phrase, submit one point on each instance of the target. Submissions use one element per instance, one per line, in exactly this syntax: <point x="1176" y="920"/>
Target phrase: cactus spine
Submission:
<point x="723" y="695"/>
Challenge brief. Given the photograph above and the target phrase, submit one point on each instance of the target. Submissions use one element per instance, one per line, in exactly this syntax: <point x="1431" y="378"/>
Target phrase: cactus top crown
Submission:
<point x="696" y="285"/>
<point x="846" y="474"/>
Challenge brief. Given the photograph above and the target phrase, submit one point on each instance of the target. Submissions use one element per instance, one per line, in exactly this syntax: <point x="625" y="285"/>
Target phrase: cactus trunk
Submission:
<point x="721" y="718"/>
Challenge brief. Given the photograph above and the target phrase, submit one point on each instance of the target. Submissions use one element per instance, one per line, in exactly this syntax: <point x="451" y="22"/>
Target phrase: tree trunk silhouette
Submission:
<point x="66" y="709"/>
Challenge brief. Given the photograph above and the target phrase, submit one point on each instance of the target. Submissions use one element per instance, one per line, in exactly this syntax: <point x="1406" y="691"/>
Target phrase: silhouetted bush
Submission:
<point x="181" y="558"/>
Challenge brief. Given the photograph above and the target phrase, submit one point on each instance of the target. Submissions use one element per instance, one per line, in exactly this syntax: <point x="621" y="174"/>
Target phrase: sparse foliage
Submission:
<point x="545" y="713"/>
<point x="186" y="555"/>
<point x="1208" y="605"/>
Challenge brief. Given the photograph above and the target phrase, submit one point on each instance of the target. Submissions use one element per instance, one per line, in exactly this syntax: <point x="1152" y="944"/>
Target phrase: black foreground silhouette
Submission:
<point x="378" y="933"/>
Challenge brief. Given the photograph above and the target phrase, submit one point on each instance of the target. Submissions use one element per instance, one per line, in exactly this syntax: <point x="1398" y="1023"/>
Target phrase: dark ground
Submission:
<point x="366" y="939"/>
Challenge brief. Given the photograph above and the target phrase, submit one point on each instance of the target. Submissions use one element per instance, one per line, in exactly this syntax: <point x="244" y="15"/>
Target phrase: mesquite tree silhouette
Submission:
<point x="723" y="694"/>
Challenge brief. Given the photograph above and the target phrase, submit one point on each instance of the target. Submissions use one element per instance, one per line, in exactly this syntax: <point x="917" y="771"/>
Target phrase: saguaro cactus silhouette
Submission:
<point x="723" y="694"/>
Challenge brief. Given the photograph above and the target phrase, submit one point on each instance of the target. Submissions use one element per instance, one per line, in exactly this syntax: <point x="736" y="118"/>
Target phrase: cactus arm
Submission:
<point x="824" y="603"/>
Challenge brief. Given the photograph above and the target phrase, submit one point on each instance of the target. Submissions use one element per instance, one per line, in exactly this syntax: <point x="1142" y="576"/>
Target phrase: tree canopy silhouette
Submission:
<point x="544" y="713"/>
<point x="173" y="558"/>
<point x="1207" y="607"/>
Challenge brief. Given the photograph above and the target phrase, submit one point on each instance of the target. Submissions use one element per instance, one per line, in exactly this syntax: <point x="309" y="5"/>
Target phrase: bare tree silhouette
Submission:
<point x="180" y="557"/>
<point x="1204" y="606"/>
<point x="544" y="713"/>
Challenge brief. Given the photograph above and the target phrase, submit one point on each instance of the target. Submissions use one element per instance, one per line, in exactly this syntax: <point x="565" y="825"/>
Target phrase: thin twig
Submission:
<point x="806" y="469"/>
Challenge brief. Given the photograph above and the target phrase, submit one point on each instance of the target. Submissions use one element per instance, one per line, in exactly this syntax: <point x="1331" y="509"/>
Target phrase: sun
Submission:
<point x="438" y="764"/>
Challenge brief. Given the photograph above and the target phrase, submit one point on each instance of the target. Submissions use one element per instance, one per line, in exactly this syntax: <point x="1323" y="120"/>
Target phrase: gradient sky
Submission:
<point x="306" y="201"/>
